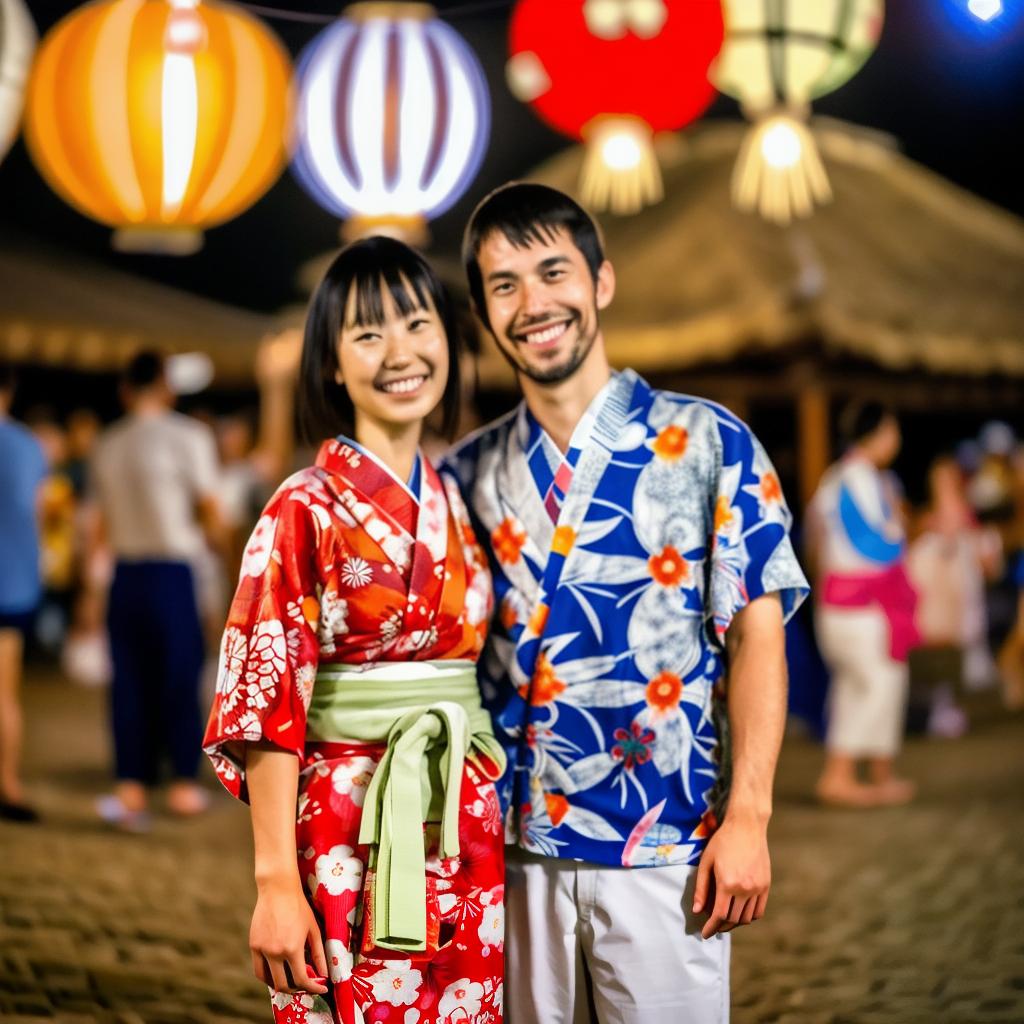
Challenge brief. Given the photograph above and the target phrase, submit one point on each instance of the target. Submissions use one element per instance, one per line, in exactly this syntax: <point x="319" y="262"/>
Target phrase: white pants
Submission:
<point x="589" y="943"/>
<point x="868" y="694"/>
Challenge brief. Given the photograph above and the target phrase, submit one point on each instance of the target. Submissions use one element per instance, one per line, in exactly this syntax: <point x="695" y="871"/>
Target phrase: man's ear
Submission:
<point x="605" y="289"/>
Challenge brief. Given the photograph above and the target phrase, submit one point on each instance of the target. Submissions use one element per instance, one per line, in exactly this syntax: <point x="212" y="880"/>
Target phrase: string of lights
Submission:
<point x="316" y="18"/>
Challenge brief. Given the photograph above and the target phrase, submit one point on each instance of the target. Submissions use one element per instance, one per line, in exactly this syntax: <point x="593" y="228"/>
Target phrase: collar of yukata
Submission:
<point x="531" y="432"/>
<point x="412" y="485"/>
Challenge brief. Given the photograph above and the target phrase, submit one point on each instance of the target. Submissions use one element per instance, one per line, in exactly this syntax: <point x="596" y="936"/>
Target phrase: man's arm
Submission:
<point x="735" y="870"/>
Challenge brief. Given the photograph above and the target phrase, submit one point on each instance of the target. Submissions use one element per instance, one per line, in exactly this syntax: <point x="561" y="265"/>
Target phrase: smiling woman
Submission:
<point x="347" y="686"/>
<point x="379" y="321"/>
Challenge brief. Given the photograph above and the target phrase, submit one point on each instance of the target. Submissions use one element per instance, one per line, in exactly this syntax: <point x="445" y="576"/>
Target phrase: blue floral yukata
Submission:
<point x="618" y="568"/>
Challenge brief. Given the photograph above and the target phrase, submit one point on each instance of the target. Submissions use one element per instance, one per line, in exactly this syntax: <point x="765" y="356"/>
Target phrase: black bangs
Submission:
<point x="407" y="292"/>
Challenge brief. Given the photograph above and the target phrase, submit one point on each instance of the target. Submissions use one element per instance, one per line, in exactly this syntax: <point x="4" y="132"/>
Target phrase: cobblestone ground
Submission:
<point x="885" y="916"/>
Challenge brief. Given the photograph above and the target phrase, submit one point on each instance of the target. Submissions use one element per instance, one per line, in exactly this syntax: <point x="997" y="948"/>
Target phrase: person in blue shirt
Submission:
<point x="22" y="470"/>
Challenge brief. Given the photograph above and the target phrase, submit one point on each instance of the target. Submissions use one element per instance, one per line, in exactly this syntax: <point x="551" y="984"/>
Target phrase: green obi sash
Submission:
<point x="429" y="715"/>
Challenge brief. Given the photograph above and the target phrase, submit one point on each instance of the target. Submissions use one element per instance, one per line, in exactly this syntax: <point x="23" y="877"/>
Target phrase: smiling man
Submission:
<point x="643" y="571"/>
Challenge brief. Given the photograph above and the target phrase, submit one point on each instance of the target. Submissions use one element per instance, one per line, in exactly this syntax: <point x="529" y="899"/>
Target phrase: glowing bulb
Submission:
<point x="986" y="10"/>
<point x="621" y="152"/>
<point x="780" y="146"/>
<point x="185" y="32"/>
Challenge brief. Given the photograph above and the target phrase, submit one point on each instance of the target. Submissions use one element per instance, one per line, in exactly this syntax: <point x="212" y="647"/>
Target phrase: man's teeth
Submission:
<point x="400" y="387"/>
<point x="541" y="337"/>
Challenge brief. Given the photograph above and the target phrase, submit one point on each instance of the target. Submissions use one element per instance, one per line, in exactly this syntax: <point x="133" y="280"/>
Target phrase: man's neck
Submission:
<point x="560" y="407"/>
<point x="148" y="405"/>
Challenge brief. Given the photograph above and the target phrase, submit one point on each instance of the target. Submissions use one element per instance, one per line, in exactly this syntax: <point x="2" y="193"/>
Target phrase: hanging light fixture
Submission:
<point x="160" y="118"/>
<point x="392" y="118"/>
<point x="17" y="44"/>
<point x="778" y="57"/>
<point x="612" y="73"/>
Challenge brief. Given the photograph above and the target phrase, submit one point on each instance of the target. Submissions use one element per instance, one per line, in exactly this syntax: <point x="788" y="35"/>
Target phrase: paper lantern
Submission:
<point x="159" y="118"/>
<point x="776" y="58"/>
<point x="17" y="43"/>
<point x="392" y="118"/>
<point x="613" y="73"/>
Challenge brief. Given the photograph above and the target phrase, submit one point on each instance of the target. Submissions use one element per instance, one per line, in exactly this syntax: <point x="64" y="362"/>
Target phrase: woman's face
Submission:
<point x="395" y="372"/>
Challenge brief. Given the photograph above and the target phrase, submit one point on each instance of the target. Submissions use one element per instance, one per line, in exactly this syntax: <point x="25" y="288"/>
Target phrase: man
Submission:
<point x="865" y="613"/>
<point x="639" y="545"/>
<point x="154" y="475"/>
<point x="22" y="471"/>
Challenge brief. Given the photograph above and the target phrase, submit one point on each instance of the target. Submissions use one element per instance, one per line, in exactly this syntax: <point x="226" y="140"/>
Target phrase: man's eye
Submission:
<point x="553" y="275"/>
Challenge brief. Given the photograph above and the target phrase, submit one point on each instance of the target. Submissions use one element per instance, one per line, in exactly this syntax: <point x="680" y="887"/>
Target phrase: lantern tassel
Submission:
<point x="620" y="171"/>
<point x="779" y="172"/>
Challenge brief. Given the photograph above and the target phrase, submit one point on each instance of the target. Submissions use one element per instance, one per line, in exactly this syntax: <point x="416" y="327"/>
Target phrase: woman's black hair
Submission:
<point x="861" y="419"/>
<point x="368" y="266"/>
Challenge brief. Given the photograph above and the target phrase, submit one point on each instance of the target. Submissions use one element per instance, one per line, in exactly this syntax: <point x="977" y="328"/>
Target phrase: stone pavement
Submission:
<point x="890" y="916"/>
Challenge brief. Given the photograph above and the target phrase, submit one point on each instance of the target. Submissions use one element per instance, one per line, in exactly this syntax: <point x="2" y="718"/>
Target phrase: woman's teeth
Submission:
<point x="543" y="337"/>
<point x="401" y="387"/>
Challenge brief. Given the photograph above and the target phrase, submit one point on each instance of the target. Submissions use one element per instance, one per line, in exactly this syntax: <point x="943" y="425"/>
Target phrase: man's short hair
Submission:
<point x="146" y="369"/>
<point x="525" y="212"/>
<point x="861" y="419"/>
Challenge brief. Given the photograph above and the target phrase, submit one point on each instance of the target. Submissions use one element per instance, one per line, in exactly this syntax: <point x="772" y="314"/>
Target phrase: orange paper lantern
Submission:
<point x="159" y="117"/>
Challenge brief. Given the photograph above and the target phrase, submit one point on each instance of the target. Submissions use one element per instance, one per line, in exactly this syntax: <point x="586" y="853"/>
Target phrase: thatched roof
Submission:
<point x="903" y="268"/>
<point x="64" y="311"/>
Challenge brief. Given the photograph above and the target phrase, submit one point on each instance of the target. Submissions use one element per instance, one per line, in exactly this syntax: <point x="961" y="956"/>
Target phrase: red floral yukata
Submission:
<point x="346" y="566"/>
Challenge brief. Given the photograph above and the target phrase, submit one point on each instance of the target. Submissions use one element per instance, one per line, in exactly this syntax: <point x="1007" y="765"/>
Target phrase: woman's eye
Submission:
<point x="415" y="325"/>
<point x="502" y="289"/>
<point x="367" y="337"/>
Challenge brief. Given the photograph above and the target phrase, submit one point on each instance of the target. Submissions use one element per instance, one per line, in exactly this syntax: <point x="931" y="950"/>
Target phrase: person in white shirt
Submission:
<point x="155" y="477"/>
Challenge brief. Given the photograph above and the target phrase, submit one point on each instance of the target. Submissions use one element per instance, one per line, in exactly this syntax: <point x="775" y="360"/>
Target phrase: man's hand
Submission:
<point x="735" y="871"/>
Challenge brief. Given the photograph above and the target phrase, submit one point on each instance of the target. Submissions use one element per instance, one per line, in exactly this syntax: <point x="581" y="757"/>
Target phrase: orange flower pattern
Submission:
<point x="670" y="444"/>
<point x="507" y="542"/>
<point x="668" y="567"/>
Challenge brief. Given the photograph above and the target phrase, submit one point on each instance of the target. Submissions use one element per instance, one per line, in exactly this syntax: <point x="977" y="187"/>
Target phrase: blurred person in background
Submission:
<point x="155" y="478"/>
<point x="85" y="657"/>
<point x="1011" y="653"/>
<point x="22" y="472"/>
<point x="864" y="617"/>
<point x="949" y="561"/>
<point x="57" y="538"/>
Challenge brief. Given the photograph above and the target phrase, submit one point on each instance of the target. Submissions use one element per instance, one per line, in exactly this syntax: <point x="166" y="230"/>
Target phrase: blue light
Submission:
<point x="985" y="10"/>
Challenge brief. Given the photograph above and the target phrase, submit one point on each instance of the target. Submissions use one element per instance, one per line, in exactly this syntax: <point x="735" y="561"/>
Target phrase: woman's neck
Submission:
<point x="394" y="446"/>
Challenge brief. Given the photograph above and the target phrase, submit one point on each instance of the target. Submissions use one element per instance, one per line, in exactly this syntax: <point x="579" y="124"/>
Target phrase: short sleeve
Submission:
<point x="269" y="653"/>
<point x="751" y="552"/>
<point x="204" y="465"/>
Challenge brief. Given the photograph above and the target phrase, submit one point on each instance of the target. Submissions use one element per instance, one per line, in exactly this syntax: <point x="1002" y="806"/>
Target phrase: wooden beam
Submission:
<point x="813" y="439"/>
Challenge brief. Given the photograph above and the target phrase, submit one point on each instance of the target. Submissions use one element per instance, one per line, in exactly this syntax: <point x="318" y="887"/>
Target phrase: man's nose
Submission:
<point x="534" y="301"/>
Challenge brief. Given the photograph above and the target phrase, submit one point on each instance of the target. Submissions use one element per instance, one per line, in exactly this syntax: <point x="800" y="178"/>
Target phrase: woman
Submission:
<point x="347" y="686"/>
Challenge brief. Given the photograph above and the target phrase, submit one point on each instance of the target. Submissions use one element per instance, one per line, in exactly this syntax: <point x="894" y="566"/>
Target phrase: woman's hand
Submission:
<point x="283" y="926"/>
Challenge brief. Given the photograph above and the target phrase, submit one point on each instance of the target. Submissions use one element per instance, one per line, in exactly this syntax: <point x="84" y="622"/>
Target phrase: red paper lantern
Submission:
<point x="612" y="73"/>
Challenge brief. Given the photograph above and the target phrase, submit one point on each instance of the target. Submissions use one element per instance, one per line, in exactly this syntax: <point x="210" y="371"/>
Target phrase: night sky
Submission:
<point x="948" y="87"/>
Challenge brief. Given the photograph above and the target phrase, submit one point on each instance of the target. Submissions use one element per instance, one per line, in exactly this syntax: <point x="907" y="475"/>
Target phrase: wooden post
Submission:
<point x="814" y="450"/>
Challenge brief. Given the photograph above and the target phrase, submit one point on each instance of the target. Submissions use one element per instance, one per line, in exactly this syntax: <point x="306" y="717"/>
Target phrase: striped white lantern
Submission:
<point x="17" y="44"/>
<point x="393" y="116"/>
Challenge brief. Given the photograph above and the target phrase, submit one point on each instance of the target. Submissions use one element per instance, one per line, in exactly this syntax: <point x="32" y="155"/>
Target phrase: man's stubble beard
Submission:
<point x="556" y="374"/>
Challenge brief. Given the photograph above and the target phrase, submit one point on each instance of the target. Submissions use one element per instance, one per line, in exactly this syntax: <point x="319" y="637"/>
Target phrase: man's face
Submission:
<point x="542" y="303"/>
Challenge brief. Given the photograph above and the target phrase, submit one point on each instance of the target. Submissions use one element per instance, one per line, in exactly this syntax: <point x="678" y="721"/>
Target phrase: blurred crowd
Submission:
<point x="94" y="505"/>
